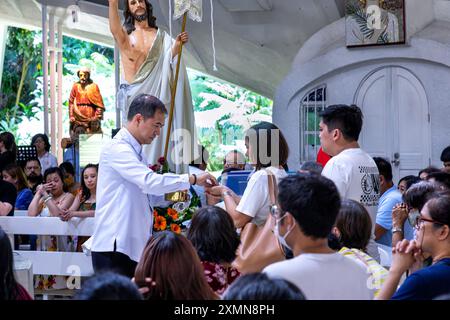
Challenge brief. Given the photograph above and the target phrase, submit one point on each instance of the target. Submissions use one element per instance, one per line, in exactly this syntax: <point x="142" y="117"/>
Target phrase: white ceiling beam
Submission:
<point x="248" y="5"/>
<point x="16" y="8"/>
<point x="85" y="6"/>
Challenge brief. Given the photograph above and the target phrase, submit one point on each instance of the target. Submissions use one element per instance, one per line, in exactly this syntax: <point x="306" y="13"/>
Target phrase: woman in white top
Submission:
<point x="40" y="141"/>
<point x="51" y="196"/>
<point x="267" y="150"/>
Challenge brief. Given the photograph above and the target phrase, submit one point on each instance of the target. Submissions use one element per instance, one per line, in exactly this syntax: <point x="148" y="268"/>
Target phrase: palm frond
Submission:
<point x="361" y="18"/>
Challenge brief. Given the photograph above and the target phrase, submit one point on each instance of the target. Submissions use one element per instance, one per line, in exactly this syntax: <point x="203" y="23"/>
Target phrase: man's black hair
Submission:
<point x="312" y="166"/>
<point x="384" y="167"/>
<point x="445" y="155"/>
<point x="312" y="200"/>
<point x="258" y="286"/>
<point x="147" y="105"/>
<point x="428" y="170"/>
<point x="348" y="119"/>
<point x="440" y="177"/>
<point x="32" y="159"/>
<point x="109" y="286"/>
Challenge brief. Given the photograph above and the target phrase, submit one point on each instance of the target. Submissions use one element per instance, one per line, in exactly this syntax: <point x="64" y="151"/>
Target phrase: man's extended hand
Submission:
<point x="206" y="180"/>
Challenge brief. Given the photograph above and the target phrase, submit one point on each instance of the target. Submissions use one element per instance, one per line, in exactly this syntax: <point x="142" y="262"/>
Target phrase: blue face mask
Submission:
<point x="281" y="238"/>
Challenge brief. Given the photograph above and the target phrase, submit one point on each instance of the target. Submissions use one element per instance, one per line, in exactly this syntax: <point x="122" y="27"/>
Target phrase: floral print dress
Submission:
<point x="218" y="276"/>
<point x="79" y="240"/>
<point x="52" y="243"/>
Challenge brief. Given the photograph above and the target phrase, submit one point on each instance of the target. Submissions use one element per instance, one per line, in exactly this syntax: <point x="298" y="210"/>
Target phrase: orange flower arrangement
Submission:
<point x="167" y="218"/>
<point x="172" y="213"/>
<point x="175" y="228"/>
<point x="160" y="223"/>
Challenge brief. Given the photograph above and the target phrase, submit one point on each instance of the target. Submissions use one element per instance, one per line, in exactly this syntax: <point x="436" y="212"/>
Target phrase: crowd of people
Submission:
<point x="42" y="188"/>
<point x="327" y="218"/>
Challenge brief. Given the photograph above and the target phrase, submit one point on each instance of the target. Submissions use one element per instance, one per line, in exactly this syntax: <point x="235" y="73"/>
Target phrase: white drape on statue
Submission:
<point x="155" y="77"/>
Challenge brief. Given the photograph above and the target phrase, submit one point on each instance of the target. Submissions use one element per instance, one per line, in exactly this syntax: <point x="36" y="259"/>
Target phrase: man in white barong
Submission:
<point x="147" y="55"/>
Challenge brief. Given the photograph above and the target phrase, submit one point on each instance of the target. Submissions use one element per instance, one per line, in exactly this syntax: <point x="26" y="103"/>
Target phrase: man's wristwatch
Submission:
<point x="397" y="229"/>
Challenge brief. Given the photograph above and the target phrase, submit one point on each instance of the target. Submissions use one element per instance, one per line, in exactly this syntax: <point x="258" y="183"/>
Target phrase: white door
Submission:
<point x="396" y="120"/>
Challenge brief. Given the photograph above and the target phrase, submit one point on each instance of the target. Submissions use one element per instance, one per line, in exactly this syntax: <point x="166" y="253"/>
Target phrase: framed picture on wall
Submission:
<point x="374" y="22"/>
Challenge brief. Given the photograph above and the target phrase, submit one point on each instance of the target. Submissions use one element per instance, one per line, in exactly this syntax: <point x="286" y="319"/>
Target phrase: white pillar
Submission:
<point x="59" y="92"/>
<point x="3" y="34"/>
<point x="45" y="66"/>
<point x="117" y="83"/>
<point x="52" y="82"/>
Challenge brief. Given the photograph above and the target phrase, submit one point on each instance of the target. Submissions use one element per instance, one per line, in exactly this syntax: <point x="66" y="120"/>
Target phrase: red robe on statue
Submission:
<point x="86" y="107"/>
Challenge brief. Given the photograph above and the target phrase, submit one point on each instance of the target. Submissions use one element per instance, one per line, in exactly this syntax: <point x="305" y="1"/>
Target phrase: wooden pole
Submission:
<point x="174" y="91"/>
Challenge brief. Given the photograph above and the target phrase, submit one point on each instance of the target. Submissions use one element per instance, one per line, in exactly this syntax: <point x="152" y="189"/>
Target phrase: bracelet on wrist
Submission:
<point x="195" y="179"/>
<point x="47" y="198"/>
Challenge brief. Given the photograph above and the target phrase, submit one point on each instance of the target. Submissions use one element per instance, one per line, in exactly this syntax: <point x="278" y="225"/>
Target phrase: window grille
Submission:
<point x="310" y="107"/>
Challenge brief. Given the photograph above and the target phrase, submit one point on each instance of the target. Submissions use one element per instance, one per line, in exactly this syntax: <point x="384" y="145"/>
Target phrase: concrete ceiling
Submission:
<point x="256" y="40"/>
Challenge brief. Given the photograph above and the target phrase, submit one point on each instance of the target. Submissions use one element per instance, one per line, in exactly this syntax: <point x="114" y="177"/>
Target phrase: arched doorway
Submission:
<point x="396" y="119"/>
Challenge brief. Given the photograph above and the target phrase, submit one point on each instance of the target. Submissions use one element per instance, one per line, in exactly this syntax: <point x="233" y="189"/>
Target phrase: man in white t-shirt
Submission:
<point x="353" y="170"/>
<point x="308" y="206"/>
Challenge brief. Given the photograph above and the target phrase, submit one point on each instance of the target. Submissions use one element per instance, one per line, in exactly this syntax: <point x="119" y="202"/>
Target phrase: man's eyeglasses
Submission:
<point x="420" y="220"/>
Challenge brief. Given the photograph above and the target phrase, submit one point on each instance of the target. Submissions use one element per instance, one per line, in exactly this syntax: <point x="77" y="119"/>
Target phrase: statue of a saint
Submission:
<point x="146" y="54"/>
<point x="86" y="103"/>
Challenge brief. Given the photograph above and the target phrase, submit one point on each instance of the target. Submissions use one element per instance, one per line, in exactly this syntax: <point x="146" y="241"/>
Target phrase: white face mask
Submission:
<point x="281" y="238"/>
<point x="412" y="217"/>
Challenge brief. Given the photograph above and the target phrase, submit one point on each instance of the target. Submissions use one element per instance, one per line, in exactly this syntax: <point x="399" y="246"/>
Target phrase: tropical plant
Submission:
<point x="216" y="153"/>
<point x="21" y="67"/>
<point x="212" y="104"/>
<point x="239" y="109"/>
<point x="23" y="55"/>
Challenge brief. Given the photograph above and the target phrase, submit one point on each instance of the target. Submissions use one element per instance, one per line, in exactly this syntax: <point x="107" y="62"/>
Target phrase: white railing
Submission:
<point x="50" y="262"/>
